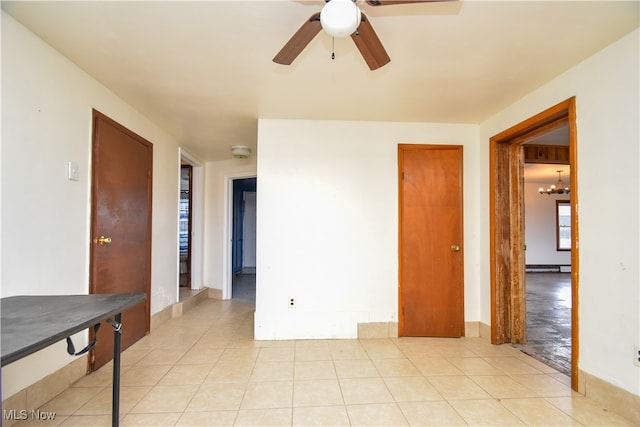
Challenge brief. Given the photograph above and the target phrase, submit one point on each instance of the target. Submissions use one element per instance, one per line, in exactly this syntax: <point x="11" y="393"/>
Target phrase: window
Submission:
<point x="563" y="225"/>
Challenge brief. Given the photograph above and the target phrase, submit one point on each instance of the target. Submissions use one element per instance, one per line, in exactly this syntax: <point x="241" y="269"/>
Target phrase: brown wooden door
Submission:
<point x="431" y="253"/>
<point x="121" y="212"/>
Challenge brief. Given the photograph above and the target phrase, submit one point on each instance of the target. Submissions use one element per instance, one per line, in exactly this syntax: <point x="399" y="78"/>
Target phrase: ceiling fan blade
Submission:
<point x="369" y="45"/>
<point x="299" y="40"/>
<point x="392" y="2"/>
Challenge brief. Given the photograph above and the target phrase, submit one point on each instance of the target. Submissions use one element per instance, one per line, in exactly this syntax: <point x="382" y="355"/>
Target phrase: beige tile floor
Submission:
<point x="204" y="369"/>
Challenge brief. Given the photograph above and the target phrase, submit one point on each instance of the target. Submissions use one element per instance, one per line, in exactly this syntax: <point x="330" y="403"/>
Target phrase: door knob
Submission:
<point x="102" y="240"/>
<point x="455" y="248"/>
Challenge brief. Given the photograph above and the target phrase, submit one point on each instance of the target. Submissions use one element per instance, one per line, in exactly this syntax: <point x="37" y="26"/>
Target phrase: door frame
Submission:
<point x="400" y="148"/>
<point x="197" y="207"/>
<point x="227" y="254"/>
<point x="506" y="226"/>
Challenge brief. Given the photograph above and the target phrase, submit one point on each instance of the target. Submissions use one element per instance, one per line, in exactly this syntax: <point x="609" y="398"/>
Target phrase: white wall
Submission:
<point x="46" y="121"/>
<point x="217" y="265"/>
<point x="540" y="227"/>
<point x="607" y="90"/>
<point x="327" y="228"/>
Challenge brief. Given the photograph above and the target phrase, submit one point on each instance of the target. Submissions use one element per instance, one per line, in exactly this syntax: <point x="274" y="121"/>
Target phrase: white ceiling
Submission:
<point x="203" y="69"/>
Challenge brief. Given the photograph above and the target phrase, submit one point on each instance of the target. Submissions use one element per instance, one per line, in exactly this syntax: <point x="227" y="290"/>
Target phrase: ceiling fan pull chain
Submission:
<point x="358" y="20"/>
<point x="333" y="48"/>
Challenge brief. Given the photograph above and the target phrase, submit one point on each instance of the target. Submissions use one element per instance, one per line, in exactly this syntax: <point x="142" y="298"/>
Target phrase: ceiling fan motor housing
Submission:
<point x="340" y="18"/>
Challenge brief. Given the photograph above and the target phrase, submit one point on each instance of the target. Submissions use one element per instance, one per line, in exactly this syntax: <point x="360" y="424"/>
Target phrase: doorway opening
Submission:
<point x="547" y="227"/>
<point x="243" y="239"/>
<point x="507" y="236"/>
<point x="190" y="226"/>
<point x="185" y="225"/>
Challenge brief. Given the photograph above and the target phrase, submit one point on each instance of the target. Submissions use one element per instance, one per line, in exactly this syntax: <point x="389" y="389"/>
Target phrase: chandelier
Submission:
<point x="559" y="187"/>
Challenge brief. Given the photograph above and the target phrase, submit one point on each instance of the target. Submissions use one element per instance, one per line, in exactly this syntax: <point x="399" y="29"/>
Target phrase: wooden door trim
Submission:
<point x="405" y="147"/>
<point x="97" y="115"/>
<point x="506" y="232"/>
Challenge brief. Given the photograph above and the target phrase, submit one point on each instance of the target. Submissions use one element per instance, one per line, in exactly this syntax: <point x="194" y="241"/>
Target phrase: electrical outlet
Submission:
<point x="292" y="302"/>
<point x="636" y="355"/>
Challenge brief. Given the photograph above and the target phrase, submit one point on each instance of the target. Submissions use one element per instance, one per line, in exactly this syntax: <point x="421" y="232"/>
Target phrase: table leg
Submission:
<point x="117" y="333"/>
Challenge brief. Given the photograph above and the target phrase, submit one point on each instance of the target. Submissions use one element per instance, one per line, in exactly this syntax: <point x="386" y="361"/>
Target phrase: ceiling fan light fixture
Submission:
<point x="340" y="18"/>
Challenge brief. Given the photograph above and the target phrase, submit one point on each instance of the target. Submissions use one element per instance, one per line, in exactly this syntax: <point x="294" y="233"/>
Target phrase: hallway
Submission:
<point x="205" y="369"/>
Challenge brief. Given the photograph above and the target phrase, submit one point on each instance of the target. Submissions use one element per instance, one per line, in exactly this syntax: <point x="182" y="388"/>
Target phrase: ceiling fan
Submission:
<point x="341" y="18"/>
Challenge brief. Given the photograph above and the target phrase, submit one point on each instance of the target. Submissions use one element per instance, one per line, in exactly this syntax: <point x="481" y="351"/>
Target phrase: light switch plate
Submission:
<point x="72" y="171"/>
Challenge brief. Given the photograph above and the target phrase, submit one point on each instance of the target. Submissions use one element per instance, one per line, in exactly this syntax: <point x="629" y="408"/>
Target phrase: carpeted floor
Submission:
<point x="549" y="319"/>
